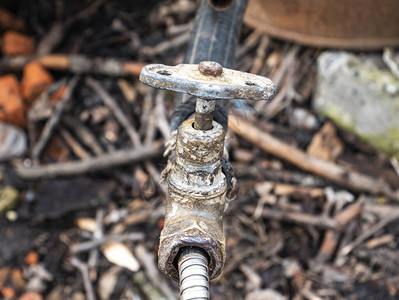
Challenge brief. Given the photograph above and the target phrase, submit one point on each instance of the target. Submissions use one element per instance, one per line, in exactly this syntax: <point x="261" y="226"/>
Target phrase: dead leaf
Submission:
<point x="87" y="224"/>
<point x="268" y="294"/>
<point x="107" y="283"/>
<point x="120" y="255"/>
<point x="325" y="143"/>
<point x="128" y="90"/>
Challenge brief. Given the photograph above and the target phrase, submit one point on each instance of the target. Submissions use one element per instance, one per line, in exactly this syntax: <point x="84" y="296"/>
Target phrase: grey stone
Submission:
<point x="361" y="95"/>
<point x="13" y="141"/>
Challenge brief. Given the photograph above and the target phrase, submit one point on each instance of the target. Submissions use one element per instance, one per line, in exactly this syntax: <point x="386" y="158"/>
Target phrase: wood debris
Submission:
<point x="12" y="106"/>
<point x="15" y="43"/>
<point x="316" y="212"/>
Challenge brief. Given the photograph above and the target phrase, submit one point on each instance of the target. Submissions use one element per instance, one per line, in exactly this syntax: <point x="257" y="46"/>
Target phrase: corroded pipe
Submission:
<point x="195" y="200"/>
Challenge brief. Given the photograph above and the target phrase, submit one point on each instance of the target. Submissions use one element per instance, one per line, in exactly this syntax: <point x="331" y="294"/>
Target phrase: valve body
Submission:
<point x="195" y="200"/>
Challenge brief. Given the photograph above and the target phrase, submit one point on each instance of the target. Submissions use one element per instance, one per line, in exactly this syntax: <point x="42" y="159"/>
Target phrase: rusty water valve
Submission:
<point x="196" y="184"/>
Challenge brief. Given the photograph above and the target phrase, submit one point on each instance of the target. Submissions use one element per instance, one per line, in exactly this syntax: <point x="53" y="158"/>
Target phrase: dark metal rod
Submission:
<point x="214" y="38"/>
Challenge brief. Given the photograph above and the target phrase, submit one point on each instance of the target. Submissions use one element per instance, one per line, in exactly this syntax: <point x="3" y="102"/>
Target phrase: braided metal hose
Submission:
<point x="193" y="274"/>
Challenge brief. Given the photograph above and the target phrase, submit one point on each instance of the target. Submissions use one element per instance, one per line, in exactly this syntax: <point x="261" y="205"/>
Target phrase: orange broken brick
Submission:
<point x="31" y="296"/>
<point x="8" y="292"/>
<point x="8" y="21"/>
<point x="15" y="43"/>
<point x="11" y="104"/>
<point x="31" y="258"/>
<point x="35" y="80"/>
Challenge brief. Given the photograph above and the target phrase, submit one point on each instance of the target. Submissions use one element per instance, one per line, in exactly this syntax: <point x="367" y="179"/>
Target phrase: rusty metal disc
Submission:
<point x="350" y="24"/>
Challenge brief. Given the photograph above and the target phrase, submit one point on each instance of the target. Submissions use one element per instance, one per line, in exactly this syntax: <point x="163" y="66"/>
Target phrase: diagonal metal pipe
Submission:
<point x="214" y="38"/>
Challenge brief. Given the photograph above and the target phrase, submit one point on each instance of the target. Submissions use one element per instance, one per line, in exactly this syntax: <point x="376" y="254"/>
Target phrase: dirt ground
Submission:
<point x="86" y="207"/>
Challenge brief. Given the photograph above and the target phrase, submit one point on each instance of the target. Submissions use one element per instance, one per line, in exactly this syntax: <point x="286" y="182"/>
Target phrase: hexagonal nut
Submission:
<point x="200" y="147"/>
<point x="172" y="241"/>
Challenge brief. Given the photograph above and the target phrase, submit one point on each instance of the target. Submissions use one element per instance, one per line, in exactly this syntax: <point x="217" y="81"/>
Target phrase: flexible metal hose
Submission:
<point x="193" y="274"/>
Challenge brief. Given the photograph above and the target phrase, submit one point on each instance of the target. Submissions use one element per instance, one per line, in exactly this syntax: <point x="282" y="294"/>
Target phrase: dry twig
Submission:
<point x="53" y="121"/>
<point x="331" y="237"/>
<point x="77" y="64"/>
<point x="84" y="134"/>
<point x="99" y="163"/>
<point x="113" y="105"/>
<point x="147" y="261"/>
<point x="89" y="245"/>
<point x="296" y="217"/>
<point x="84" y="270"/>
<point x="76" y="148"/>
<point x="340" y="175"/>
<point x="368" y="233"/>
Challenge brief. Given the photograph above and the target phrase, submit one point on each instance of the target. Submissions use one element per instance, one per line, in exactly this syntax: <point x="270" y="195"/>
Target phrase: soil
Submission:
<point x="268" y="257"/>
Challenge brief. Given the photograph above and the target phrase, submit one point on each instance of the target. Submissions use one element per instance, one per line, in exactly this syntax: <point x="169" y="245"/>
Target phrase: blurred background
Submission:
<point x="81" y="140"/>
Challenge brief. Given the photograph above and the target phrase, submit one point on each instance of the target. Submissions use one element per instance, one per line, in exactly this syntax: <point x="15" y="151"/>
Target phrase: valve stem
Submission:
<point x="193" y="274"/>
<point x="205" y="108"/>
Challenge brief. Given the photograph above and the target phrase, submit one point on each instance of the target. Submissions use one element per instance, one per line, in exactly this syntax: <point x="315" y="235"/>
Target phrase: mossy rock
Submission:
<point x="360" y="95"/>
<point x="8" y="198"/>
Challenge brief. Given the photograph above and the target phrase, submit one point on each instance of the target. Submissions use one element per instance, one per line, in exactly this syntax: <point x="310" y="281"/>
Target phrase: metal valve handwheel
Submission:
<point x="208" y="81"/>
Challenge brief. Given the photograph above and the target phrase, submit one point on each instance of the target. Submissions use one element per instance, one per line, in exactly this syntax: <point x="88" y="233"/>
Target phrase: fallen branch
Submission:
<point x="78" y="64"/>
<point x="84" y="270"/>
<point x="332" y="237"/>
<point x="99" y="163"/>
<point x="165" y="46"/>
<point x="56" y="33"/>
<point x="89" y="245"/>
<point x="296" y="218"/>
<point x="116" y="110"/>
<point x="368" y="233"/>
<point x="340" y="175"/>
<point x="148" y="262"/>
<point x="282" y="189"/>
<point x="83" y="133"/>
<point x="54" y="119"/>
<point x="76" y="148"/>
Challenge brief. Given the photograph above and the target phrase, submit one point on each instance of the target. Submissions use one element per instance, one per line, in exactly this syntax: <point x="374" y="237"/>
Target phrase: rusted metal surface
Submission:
<point x="196" y="184"/>
<point x="186" y="78"/>
<point x="209" y="81"/>
<point x="196" y="199"/>
<point x="204" y="110"/>
<point x="210" y="68"/>
<point x="359" y="24"/>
